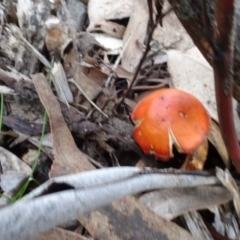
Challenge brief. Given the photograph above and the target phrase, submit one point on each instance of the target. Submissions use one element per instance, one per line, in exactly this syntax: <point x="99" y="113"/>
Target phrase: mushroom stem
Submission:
<point x="223" y="74"/>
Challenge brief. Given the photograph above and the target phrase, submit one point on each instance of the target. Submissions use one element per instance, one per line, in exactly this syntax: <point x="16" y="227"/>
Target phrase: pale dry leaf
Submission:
<point x="229" y="182"/>
<point x="232" y="227"/>
<point x="192" y="73"/>
<point x="229" y="227"/>
<point x="197" y="226"/>
<point x="157" y="58"/>
<point x="61" y="84"/>
<point x="136" y="31"/>
<point x="171" y="203"/>
<point x="12" y="181"/>
<point x="111" y="44"/>
<point x="103" y="10"/>
<point x="218" y="223"/>
<point x="10" y="162"/>
<point x="172" y="34"/>
<point x="24" y="9"/>
<point x="67" y="157"/>
<point x="6" y="90"/>
<point x="13" y="173"/>
<point x="111" y="28"/>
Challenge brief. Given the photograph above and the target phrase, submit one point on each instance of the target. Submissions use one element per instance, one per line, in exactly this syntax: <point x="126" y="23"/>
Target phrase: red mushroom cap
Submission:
<point x="167" y="117"/>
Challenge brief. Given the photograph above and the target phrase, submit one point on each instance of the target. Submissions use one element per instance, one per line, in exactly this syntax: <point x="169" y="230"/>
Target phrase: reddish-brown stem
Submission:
<point x="223" y="74"/>
<point x="216" y="42"/>
<point x="225" y="110"/>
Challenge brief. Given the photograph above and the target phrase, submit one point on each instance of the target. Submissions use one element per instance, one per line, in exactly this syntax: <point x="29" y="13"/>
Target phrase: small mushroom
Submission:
<point x="170" y="117"/>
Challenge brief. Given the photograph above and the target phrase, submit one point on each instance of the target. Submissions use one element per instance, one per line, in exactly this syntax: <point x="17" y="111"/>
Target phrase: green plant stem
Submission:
<point x="40" y="146"/>
<point x="30" y="178"/>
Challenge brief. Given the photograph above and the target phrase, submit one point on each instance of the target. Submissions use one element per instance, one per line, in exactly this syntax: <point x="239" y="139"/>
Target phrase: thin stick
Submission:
<point x="149" y="38"/>
<point x="85" y="95"/>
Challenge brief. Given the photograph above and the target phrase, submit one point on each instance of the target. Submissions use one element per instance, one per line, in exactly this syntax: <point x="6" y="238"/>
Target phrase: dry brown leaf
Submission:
<point x="196" y="161"/>
<point x="90" y="88"/>
<point x="91" y="68"/>
<point x="99" y="71"/>
<point x="135" y="35"/>
<point x="68" y="158"/>
<point x="141" y="164"/>
<point x="95" y="75"/>
<point x="119" y="71"/>
<point x="59" y="234"/>
<point x="127" y="219"/>
<point x="57" y="33"/>
<point x="170" y="203"/>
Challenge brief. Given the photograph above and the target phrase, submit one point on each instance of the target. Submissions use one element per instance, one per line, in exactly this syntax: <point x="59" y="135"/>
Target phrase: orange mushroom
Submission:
<point x="170" y="117"/>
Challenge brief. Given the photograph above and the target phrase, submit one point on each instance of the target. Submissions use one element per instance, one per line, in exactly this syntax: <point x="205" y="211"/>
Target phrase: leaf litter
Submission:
<point x="89" y="126"/>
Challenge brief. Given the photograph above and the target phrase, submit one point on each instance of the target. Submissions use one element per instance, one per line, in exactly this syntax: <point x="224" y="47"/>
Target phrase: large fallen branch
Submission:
<point x="39" y="211"/>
